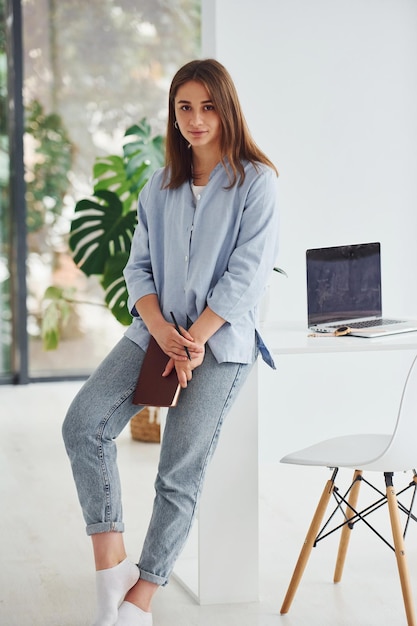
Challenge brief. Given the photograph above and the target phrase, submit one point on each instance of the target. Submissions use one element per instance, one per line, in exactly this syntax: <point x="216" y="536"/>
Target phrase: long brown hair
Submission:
<point x="236" y="143"/>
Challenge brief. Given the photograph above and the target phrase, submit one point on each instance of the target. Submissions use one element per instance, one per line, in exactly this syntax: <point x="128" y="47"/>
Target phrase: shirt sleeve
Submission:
<point x="250" y="265"/>
<point x="138" y="272"/>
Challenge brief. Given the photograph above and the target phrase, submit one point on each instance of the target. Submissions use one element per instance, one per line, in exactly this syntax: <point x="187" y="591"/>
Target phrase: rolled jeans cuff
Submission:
<point x="152" y="578"/>
<point x="105" y="527"/>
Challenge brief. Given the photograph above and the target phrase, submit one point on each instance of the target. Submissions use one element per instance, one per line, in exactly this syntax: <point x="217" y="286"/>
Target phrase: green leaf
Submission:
<point x="55" y="315"/>
<point x="142" y="155"/>
<point x="115" y="288"/>
<point x="53" y="293"/>
<point x="110" y="174"/>
<point x="143" y="129"/>
<point x="149" y="153"/>
<point x="100" y="230"/>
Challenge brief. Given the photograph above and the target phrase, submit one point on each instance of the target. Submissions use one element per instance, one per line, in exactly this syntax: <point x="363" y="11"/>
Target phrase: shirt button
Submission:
<point x="186" y="258"/>
<point x="199" y="197"/>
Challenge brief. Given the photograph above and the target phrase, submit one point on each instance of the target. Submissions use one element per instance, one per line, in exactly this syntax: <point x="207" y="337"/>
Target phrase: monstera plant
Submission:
<point x="102" y="227"/>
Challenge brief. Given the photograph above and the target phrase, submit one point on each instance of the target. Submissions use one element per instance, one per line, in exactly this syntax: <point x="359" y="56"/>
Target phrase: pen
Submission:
<point x="180" y="333"/>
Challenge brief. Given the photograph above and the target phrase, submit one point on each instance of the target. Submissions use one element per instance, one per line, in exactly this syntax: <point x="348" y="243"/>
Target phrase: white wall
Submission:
<point x="329" y="89"/>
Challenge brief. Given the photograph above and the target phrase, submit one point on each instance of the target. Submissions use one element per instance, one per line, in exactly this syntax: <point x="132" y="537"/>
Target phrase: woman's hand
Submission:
<point x="202" y="329"/>
<point x="173" y="343"/>
<point x="184" y="368"/>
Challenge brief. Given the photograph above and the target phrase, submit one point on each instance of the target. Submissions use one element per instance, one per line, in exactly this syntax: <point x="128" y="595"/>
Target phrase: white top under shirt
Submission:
<point x="197" y="189"/>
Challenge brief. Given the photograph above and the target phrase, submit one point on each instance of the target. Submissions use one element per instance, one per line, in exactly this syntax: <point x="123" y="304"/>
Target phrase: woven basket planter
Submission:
<point x="145" y="426"/>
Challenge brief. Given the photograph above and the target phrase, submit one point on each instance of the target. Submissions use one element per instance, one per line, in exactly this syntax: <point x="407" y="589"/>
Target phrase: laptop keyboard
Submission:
<point x="381" y="321"/>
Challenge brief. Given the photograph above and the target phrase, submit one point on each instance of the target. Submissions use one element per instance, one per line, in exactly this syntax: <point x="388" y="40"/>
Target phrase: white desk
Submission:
<point x="223" y="568"/>
<point x="293" y="338"/>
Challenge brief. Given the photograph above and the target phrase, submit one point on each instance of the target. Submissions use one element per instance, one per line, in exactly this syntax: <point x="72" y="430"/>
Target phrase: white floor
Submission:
<point x="46" y="571"/>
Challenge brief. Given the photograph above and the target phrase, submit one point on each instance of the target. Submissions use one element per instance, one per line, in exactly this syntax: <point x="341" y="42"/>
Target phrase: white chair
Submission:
<point x="375" y="452"/>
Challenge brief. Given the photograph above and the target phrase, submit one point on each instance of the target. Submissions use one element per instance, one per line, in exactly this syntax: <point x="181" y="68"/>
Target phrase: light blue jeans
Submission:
<point x="97" y="416"/>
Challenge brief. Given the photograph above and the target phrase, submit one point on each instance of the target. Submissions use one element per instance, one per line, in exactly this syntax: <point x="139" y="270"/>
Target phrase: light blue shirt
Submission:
<point x="216" y="250"/>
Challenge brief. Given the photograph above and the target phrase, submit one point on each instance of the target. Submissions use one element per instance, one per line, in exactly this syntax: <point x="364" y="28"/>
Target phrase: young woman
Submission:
<point x="204" y="247"/>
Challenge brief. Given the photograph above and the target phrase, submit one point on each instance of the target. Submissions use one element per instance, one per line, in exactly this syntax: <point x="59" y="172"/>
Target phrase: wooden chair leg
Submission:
<point x="308" y="544"/>
<point x="400" y="550"/>
<point x="346" y="530"/>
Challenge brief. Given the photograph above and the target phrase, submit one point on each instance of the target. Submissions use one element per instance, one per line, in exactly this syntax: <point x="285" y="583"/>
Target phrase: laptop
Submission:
<point x="344" y="289"/>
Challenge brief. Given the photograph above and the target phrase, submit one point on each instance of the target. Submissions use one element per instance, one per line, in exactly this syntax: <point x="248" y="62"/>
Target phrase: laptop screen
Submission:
<point x="343" y="282"/>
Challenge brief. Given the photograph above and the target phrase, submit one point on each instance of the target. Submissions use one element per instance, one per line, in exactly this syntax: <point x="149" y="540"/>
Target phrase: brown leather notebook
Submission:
<point x="153" y="389"/>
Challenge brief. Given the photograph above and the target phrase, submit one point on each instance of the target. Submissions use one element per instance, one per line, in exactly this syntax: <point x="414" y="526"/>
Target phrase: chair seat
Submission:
<point x="354" y="451"/>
